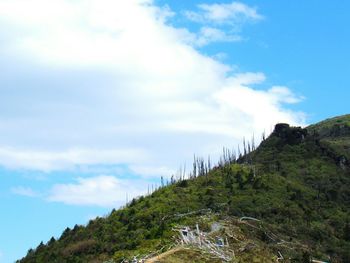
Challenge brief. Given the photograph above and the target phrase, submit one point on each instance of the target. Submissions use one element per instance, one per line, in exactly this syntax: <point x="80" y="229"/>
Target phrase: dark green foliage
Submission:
<point x="347" y="231"/>
<point x="183" y="183"/>
<point x="296" y="181"/>
<point x="306" y="257"/>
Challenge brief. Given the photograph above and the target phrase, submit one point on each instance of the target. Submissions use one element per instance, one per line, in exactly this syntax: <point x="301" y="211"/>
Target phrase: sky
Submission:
<point x="100" y="98"/>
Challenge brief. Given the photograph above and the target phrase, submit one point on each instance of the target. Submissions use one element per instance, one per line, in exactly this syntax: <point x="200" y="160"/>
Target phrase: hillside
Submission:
<point x="335" y="134"/>
<point x="287" y="199"/>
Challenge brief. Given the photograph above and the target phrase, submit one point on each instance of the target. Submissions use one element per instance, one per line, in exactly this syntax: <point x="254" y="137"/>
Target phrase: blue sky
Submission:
<point x="101" y="98"/>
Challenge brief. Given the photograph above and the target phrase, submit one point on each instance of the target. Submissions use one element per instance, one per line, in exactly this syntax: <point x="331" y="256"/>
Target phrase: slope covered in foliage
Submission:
<point x="297" y="182"/>
<point x="335" y="134"/>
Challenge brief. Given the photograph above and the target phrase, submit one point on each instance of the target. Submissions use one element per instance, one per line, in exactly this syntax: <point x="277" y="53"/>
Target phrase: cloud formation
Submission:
<point x="235" y="13"/>
<point x="111" y="82"/>
<point x="58" y="160"/>
<point x="221" y="22"/>
<point x="208" y="35"/>
<point x="24" y="191"/>
<point x="104" y="191"/>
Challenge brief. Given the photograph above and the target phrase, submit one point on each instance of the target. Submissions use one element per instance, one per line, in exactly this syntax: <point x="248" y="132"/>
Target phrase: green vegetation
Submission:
<point x="334" y="134"/>
<point x="297" y="182"/>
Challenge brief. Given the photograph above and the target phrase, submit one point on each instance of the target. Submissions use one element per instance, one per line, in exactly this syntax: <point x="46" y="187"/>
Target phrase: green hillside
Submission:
<point x="334" y="134"/>
<point x="295" y="186"/>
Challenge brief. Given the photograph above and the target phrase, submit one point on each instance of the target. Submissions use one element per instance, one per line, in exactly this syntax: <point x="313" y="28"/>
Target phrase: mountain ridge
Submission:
<point x="296" y="183"/>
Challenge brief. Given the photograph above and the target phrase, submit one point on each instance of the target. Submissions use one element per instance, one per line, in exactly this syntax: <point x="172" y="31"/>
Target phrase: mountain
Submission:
<point x="286" y="200"/>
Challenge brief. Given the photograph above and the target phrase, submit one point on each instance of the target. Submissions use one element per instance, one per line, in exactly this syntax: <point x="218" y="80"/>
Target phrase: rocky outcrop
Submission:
<point x="289" y="135"/>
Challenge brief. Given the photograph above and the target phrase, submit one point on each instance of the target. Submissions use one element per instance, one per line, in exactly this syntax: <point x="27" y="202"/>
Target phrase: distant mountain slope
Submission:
<point x="296" y="183"/>
<point x="335" y="134"/>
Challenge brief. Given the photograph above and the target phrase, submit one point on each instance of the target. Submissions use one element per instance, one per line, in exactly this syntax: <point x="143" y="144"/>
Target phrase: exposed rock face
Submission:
<point x="280" y="128"/>
<point x="290" y="135"/>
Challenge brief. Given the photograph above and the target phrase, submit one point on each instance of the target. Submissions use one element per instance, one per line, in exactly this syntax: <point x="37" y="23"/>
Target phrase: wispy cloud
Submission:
<point x="208" y="35"/>
<point x="222" y="22"/>
<point x="110" y="82"/>
<point x="234" y="14"/>
<point x="24" y="191"/>
<point x="57" y="160"/>
<point x="104" y="191"/>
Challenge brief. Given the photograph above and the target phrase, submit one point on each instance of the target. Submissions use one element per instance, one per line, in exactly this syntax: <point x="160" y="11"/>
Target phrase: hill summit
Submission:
<point x="287" y="200"/>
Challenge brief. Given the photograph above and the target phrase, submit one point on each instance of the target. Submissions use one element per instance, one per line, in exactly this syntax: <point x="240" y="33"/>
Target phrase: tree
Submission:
<point x="251" y="175"/>
<point x="347" y="231"/>
<point x="306" y="257"/>
<point x="52" y="240"/>
<point x="240" y="179"/>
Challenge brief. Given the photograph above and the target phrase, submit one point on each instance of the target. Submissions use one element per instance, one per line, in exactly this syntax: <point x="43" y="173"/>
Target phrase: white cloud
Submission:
<point x="149" y="171"/>
<point x="24" y="191"/>
<point x="221" y="56"/>
<point x="223" y="22"/>
<point x="209" y="34"/>
<point x="233" y="14"/>
<point x="48" y="161"/>
<point x="235" y="102"/>
<point x="283" y="94"/>
<point x="110" y="82"/>
<point x="104" y="191"/>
